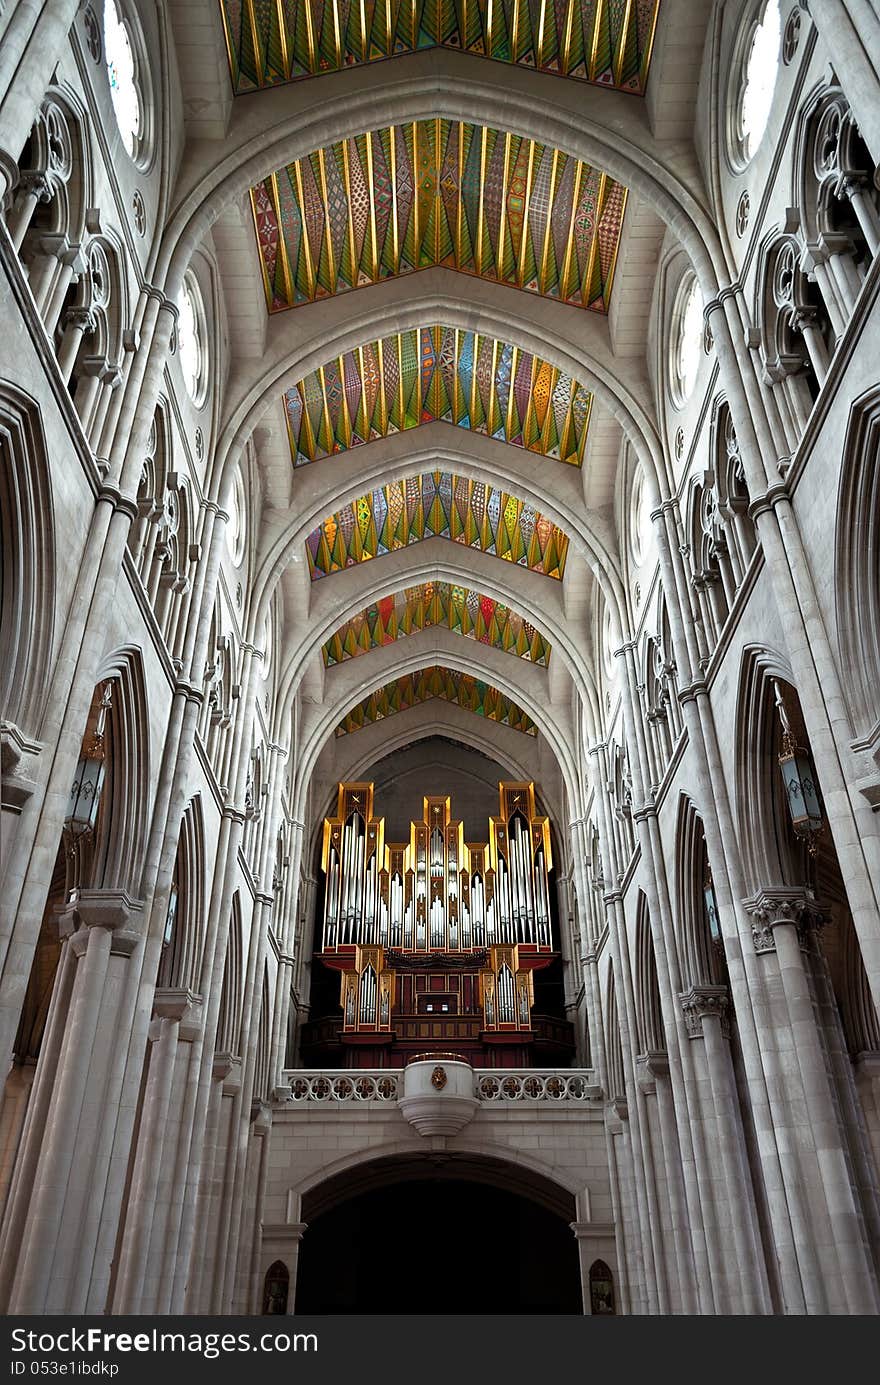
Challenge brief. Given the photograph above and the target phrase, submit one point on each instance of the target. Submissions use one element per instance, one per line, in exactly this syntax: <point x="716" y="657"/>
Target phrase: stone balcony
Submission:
<point x="385" y="1086"/>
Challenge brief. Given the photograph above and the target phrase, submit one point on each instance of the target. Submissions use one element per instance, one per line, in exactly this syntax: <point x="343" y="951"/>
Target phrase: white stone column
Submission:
<point x="50" y="1258"/>
<point x="784" y="913"/>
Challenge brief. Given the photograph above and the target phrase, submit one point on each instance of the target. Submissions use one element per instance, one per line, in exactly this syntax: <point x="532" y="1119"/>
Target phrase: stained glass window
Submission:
<point x="121" y="75"/>
<point x="189" y="340"/>
<point x="687" y="340"/>
<point x="640" y="517"/>
<point x="759" y="78"/>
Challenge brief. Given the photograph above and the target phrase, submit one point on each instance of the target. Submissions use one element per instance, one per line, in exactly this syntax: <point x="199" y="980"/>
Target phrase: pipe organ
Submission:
<point x="437" y="939"/>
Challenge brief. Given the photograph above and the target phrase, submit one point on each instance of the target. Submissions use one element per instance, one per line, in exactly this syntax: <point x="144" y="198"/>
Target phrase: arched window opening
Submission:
<point x="191" y="340"/>
<point x="122" y="75"/>
<point x="601" y="1289"/>
<point x="797" y="339"/>
<point x="276" y="1288"/>
<point x="640" y="526"/>
<point x="757" y="79"/>
<point x="89" y="340"/>
<point x="686" y="343"/>
<point x="236" y="528"/>
<point x="836" y="190"/>
<point x="46" y="219"/>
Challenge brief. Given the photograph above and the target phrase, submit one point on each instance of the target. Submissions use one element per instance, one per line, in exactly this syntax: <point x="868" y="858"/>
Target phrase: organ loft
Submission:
<point x="438" y="944"/>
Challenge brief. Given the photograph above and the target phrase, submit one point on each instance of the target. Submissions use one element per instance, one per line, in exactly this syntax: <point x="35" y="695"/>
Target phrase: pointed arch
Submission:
<point x="649" y="1019"/>
<point x="184" y="939"/>
<point x="27" y="562"/>
<point x="764" y="837"/>
<point x="699" y="951"/>
<point x="229" y="1019"/>
<point x="123" y="819"/>
<point x="857" y="546"/>
<point x="261" y="1071"/>
<point x="613" y="1046"/>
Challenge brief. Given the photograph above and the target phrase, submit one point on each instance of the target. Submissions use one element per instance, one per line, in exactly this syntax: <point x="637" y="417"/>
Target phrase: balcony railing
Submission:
<point x="496" y="1086"/>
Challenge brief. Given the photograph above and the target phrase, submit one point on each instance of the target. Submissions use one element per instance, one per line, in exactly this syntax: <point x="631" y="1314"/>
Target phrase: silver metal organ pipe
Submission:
<point x="506" y="997"/>
<point x="368" y="996"/>
<point x="543" y="908"/>
<point x="530" y="883"/>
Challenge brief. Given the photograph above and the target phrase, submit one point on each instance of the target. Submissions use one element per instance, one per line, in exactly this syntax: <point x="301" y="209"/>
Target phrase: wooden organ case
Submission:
<point x="437" y="940"/>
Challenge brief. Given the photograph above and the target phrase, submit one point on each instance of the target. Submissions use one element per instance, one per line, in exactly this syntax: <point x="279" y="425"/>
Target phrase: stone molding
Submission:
<point x="17" y="752"/>
<point x="705" y="1002"/>
<point x="284" y="1233"/>
<point x="593" y="1230"/>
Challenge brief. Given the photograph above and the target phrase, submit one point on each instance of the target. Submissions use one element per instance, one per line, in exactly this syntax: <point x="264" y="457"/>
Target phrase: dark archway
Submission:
<point x="426" y="1240"/>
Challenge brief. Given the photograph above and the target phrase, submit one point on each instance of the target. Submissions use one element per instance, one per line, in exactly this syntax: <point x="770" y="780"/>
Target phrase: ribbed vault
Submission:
<point x="435" y="255"/>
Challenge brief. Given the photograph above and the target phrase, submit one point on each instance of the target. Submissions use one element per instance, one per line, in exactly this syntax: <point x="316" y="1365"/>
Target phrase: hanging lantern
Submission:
<point x="801" y="792"/>
<point x="88" y="781"/>
<point x="712" y="909"/>
<point x="799" y="778"/>
<point x="170" y="916"/>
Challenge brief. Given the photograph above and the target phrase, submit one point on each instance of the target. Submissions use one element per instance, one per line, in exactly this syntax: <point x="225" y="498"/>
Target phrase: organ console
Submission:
<point x="437" y="940"/>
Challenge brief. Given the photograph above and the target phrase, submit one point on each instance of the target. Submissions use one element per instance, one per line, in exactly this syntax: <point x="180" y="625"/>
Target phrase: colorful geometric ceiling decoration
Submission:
<point x="442" y="505"/>
<point x="603" y="41"/>
<point x="438" y="192"/>
<point x="437" y="604"/>
<point x="437" y="681"/>
<point x="438" y="373"/>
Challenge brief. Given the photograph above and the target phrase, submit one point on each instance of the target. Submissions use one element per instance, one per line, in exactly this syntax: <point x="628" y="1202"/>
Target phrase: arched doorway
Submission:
<point x="438" y="1235"/>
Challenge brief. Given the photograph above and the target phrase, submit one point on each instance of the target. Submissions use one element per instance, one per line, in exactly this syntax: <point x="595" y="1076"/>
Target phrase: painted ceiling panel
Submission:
<point x="436" y="681"/>
<point x="437" y="604"/>
<point x="442" y="505"/>
<point x="438" y="373"/>
<point x="438" y="192"/>
<point x="603" y="41"/>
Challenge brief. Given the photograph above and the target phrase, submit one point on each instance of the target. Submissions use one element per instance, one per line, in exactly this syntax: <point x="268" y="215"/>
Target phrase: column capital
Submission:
<point x="705" y="1002"/>
<point x="114" y="910"/>
<point x="650" y="1065"/>
<point x="261" y="1117"/>
<point x="173" y="1003"/>
<point x="226" y="1069"/>
<point x="776" y="905"/>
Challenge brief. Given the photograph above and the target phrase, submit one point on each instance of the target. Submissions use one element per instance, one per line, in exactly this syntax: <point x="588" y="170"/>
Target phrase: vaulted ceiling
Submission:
<point x="384" y="204"/>
<point x="437" y="682"/>
<point x="442" y="374"/>
<point x="603" y="41"/>
<point x="438" y="192"/>
<point x="432" y="604"/>
<point x="437" y="505"/>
